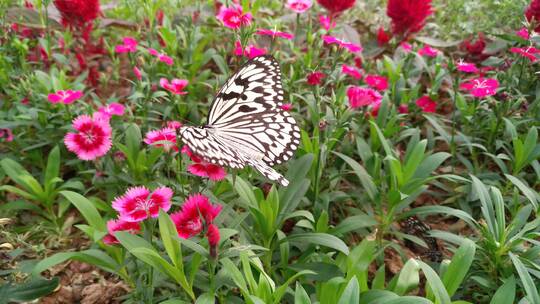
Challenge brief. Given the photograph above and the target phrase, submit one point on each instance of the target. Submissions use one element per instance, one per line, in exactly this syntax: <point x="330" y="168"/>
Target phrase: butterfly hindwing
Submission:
<point x="246" y="124"/>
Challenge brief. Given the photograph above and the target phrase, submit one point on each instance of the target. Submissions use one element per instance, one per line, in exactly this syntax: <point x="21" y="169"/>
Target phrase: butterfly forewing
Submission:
<point x="246" y="124"/>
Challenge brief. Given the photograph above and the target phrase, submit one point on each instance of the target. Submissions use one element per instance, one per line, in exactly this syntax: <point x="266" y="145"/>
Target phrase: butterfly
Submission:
<point x="414" y="226"/>
<point x="246" y="125"/>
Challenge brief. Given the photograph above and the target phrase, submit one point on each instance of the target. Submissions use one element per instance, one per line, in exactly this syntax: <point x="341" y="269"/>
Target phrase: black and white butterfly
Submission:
<point x="246" y="124"/>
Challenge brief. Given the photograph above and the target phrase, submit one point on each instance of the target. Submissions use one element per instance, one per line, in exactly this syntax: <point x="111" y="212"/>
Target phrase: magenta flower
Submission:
<point x="66" y="97"/>
<point x="274" y="34"/>
<point x="315" y="78"/>
<point x="129" y="46"/>
<point x="250" y="51"/>
<point x="213" y="236"/>
<point x="466" y="67"/>
<point x="359" y="97"/>
<point x="523" y="33"/>
<point x="403" y="109"/>
<point x="426" y="104"/>
<point x="299" y="6"/>
<point x="481" y="87"/>
<point x="174" y="124"/>
<point x="233" y="17"/>
<point x="138" y="204"/>
<point x="119" y="225"/>
<point x="112" y="109"/>
<point x="164" y="138"/>
<point x="286" y="106"/>
<point x="197" y="212"/>
<point x="326" y="22"/>
<point x="6" y="134"/>
<point x="161" y="56"/>
<point x="407" y="47"/>
<point x="527" y="52"/>
<point x="202" y="168"/>
<point x="352" y="47"/>
<point x="92" y="140"/>
<point x="351" y="71"/>
<point x="428" y="51"/>
<point x="175" y="86"/>
<point x="377" y="82"/>
<point x="138" y="73"/>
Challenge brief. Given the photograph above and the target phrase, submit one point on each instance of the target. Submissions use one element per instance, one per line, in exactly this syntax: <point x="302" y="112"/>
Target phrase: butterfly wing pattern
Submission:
<point x="246" y="125"/>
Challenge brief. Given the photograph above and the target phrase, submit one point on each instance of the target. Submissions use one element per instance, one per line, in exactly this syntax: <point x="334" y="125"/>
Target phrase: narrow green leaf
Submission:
<point x="87" y="209"/>
<point x="351" y="294"/>
<point x="322" y="239"/>
<point x="526" y="279"/>
<point x="365" y="179"/>
<point x="433" y="280"/>
<point x="459" y="266"/>
<point x="506" y="293"/>
<point x="300" y="295"/>
<point x="169" y="235"/>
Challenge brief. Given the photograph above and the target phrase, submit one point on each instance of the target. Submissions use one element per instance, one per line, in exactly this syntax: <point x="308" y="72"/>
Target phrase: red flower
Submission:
<point x="315" y="78"/>
<point x="286" y="106"/>
<point x="336" y="6"/>
<point x="481" y="87"/>
<point x="274" y="34"/>
<point x="475" y="48"/>
<point x="408" y="16"/>
<point x="530" y="52"/>
<point x="382" y="37"/>
<point x="426" y="104"/>
<point x="138" y="203"/>
<point x="377" y="82"/>
<point x="197" y="211"/>
<point x="213" y="235"/>
<point x="351" y="71"/>
<point x="202" y="168"/>
<point x="533" y="14"/>
<point x="175" y="86"/>
<point x="359" y="97"/>
<point x="120" y="225"/>
<point x="77" y="12"/>
<point x="93" y="137"/>
<point x="164" y="138"/>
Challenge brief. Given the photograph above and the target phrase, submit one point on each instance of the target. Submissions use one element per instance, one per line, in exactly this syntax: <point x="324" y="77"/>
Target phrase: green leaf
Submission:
<point x="232" y="271"/>
<point x="206" y="298"/>
<point x="353" y="223"/>
<point x="408" y="277"/>
<point x="436" y="42"/>
<point x="87" y="210"/>
<point x="300" y="295"/>
<point x="245" y="191"/>
<point x="433" y="280"/>
<point x="506" y="293"/>
<point x="53" y="168"/>
<point x="351" y="294"/>
<point x="21" y="177"/>
<point x="529" y="193"/>
<point x="526" y="279"/>
<point x="322" y="239"/>
<point x="365" y="179"/>
<point x="430" y="163"/>
<point x="145" y="252"/>
<point x="33" y="289"/>
<point x="91" y="256"/>
<point x="280" y="291"/>
<point x="459" y="266"/>
<point x="409" y="300"/>
<point x="169" y="236"/>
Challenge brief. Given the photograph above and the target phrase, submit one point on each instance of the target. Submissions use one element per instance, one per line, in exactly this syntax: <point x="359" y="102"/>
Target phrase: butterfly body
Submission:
<point x="246" y="125"/>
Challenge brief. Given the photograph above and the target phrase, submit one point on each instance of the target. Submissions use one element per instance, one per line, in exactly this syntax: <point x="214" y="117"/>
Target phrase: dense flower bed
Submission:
<point x="412" y="177"/>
